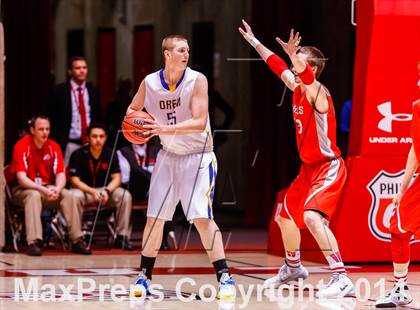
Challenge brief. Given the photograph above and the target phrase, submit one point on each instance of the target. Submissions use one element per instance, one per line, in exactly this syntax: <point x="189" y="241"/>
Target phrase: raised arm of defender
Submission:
<point x="276" y="64"/>
<point x="315" y="93"/>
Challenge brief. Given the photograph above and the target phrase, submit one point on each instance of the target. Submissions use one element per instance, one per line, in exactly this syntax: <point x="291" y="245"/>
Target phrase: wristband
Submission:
<point x="254" y="42"/>
<point x="276" y="64"/>
<point x="307" y="76"/>
<point x="107" y="191"/>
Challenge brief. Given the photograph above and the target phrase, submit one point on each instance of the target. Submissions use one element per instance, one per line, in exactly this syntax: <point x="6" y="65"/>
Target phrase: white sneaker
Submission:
<point x="339" y="286"/>
<point x="141" y="285"/>
<point x="227" y="289"/>
<point x="399" y="296"/>
<point x="226" y="304"/>
<point x="285" y="275"/>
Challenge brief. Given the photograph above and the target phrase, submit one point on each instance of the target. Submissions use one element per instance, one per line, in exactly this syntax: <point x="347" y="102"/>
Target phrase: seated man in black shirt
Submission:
<point x="88" y="173"/>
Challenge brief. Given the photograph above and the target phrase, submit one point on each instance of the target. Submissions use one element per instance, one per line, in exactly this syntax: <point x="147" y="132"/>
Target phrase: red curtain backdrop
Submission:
<point x="143" y="50"/>
<point x="106" y="58"/>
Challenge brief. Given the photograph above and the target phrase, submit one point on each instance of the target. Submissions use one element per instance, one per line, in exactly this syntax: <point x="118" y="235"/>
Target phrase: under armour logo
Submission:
<point x="385" y="124"/>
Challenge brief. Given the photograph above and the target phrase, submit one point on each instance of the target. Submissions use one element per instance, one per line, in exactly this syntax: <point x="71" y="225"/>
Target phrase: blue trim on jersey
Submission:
<point x="211" y="194"/>
<point x="163" y="82"/>
<point x="211" y="172"/>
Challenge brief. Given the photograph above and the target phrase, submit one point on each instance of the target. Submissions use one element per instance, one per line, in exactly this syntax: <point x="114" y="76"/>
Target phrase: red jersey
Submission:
<point x="315" y="132"/>
<point x="44" y="163"/>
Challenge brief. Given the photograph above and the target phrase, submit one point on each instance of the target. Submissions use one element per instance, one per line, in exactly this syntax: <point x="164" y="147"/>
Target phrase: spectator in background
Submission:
<point x="136" y="163"/>
<point x="345" y="117"/>
<point x="47" y="215"/>
<point x="39" y="168"/>
<point x="88" y="169"/>
<point x="72" y="106"/>
<point x="115" y="112"/>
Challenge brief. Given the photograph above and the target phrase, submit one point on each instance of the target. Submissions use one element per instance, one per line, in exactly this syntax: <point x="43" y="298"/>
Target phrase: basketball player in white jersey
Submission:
<point x="186" y="166"/>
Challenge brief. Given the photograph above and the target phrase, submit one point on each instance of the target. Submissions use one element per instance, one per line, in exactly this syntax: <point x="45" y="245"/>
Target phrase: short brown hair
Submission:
<point x="32" y="121"/>
<point x="73" y="59"/>
<point x="315" y="58"/>
<point x="168" y="45"/>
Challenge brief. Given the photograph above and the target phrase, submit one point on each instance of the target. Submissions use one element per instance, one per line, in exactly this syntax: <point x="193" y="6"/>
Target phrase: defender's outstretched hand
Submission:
<point x="248" y="34"/>
<point x="292" y="46"/>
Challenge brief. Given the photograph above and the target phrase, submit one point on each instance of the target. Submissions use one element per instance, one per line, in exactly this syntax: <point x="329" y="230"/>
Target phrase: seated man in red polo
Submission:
<point x="39" y="167"/>
<point x="91" y="182"/>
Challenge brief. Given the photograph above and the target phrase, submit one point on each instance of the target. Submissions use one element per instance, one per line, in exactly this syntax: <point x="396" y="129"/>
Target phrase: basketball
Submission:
<point x="132" y="127"/>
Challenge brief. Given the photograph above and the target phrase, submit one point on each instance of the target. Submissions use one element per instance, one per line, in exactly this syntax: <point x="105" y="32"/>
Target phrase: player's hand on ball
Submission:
<point x="154" y="128"/>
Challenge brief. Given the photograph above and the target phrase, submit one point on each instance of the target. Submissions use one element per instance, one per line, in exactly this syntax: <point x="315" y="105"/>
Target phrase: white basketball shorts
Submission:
<point x="186" y="178"/>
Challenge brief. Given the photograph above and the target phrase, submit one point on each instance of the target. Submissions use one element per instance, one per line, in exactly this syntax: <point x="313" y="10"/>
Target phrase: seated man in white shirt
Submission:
<point x="136" y="165"/>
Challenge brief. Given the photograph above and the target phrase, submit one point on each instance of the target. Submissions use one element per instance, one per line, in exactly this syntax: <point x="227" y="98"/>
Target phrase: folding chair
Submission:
<point x="15" y="215"/>
<point x="105" y="221"/>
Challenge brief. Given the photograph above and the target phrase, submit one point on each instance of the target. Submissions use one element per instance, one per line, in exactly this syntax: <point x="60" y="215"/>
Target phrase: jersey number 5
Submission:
<point x="171" y="118"/>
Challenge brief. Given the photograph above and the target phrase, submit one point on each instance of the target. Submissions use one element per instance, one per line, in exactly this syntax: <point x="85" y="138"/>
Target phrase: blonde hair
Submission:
<point x="168" y="45"/>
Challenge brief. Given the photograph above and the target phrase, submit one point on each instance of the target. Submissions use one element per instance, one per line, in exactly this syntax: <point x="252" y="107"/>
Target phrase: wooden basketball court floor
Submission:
<point x="56" y="275"/>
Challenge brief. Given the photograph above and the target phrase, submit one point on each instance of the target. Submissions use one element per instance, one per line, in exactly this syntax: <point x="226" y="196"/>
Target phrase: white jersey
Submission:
<point x="172" y="107"/>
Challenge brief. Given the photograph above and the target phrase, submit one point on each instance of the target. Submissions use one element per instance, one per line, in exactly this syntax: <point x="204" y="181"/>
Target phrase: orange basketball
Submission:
<point x="132" y="127"/>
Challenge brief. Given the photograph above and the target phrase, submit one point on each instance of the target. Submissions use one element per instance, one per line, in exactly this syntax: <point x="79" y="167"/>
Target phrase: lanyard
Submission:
<point x="94" y="171"/>
<point x="141" y="160"/>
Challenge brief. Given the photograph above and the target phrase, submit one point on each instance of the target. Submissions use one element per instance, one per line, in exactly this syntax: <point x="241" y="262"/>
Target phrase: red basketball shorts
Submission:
<point x="406" y="217"/>
<point x="317" y="187"/>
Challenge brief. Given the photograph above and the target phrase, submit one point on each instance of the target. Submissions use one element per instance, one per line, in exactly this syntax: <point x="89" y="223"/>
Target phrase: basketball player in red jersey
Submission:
<point x="312" y="197"/>
<point x="405" y="220"/>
